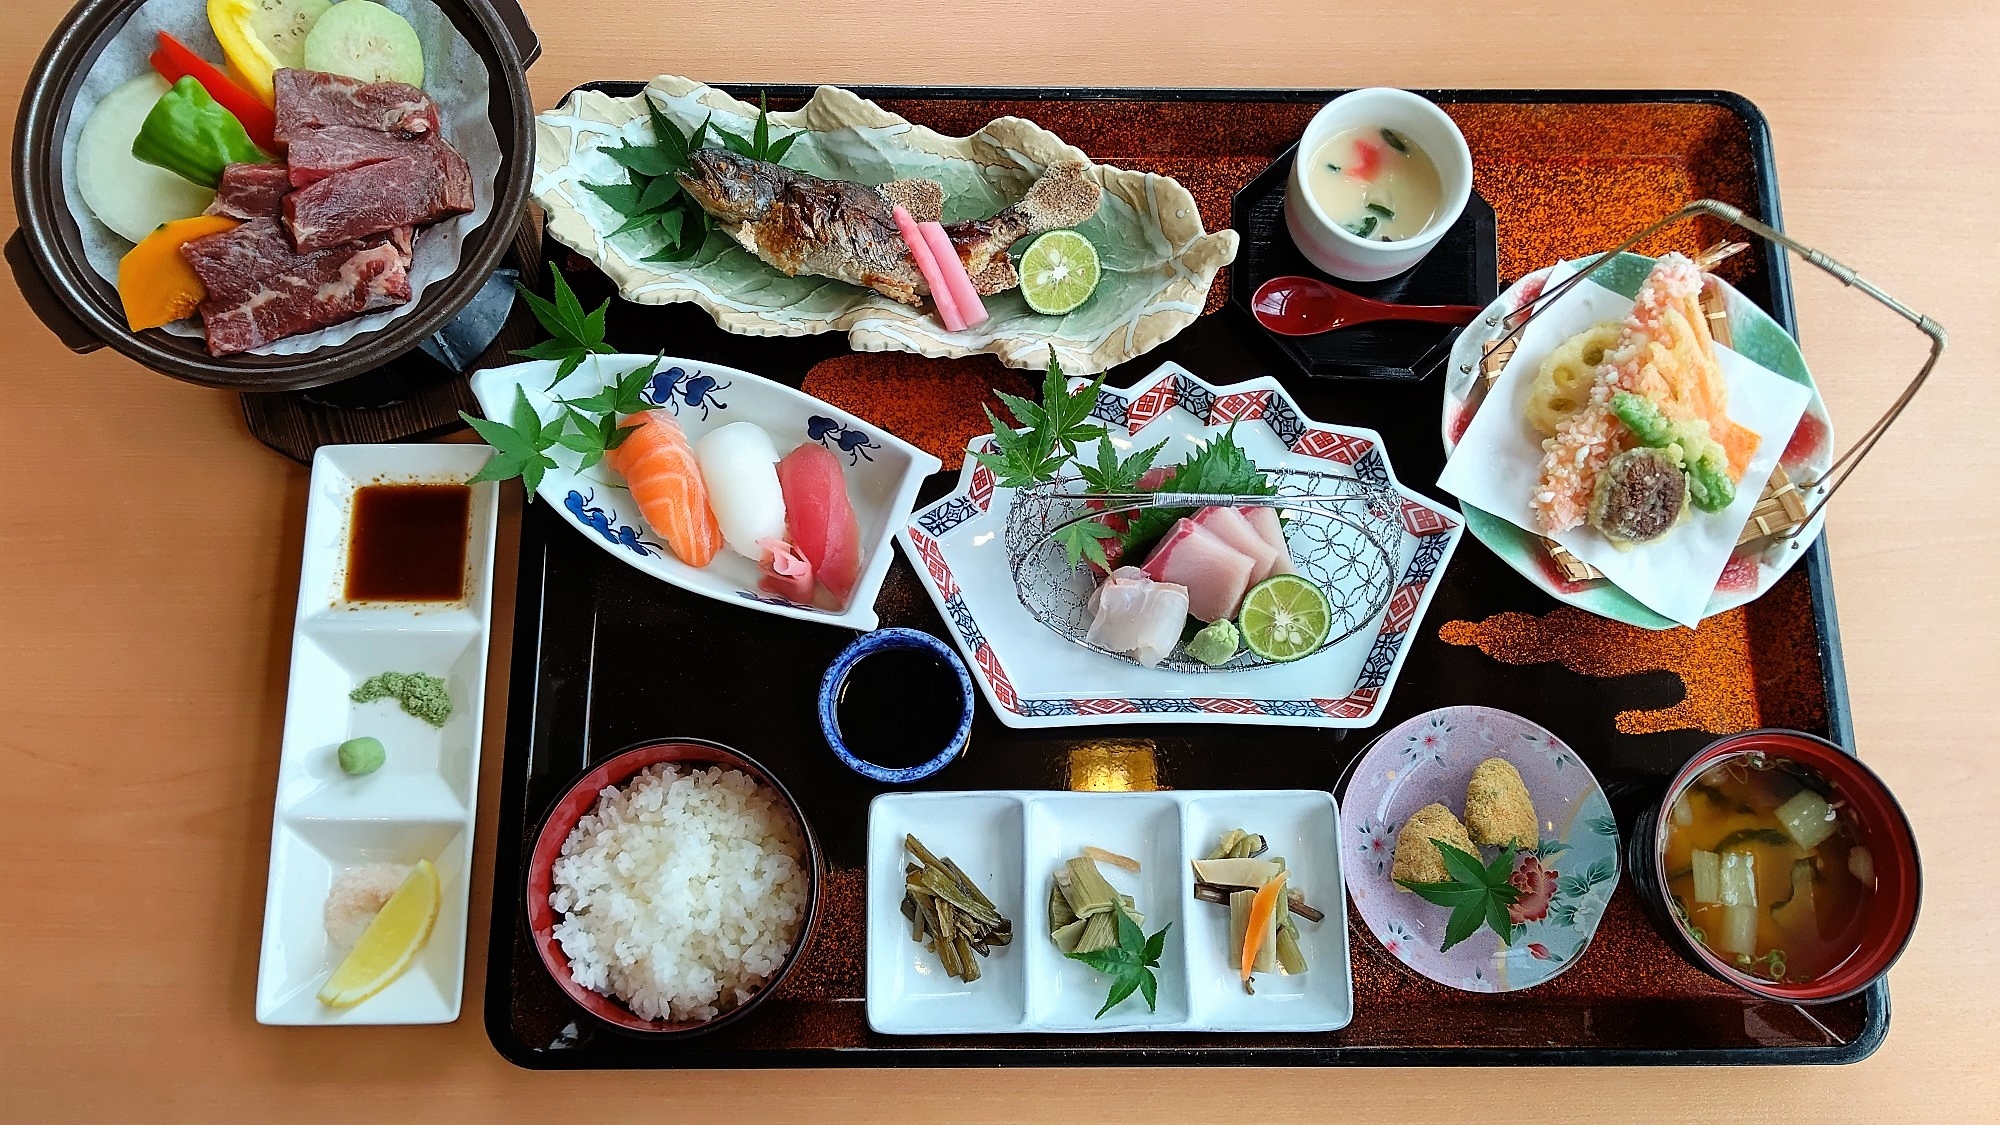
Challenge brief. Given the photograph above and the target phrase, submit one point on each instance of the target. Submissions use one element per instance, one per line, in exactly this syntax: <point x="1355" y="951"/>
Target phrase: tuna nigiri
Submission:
<point x="659" y="467"/>
<point x="821" y="517"/>
<point x="737" y="462"/>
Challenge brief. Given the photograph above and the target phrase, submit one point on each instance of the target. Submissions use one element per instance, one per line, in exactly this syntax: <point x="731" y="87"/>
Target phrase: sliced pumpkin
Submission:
<point x="156" y="284"/>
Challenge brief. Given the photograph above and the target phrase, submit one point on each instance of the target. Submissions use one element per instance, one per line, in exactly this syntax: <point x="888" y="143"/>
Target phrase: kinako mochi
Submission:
<point x="1417" y="859"/>
<point x="1498" y="810"/>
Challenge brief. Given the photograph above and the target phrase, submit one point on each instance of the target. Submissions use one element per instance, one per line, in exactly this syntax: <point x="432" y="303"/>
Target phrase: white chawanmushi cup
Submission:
<point x="1334" y="248"/>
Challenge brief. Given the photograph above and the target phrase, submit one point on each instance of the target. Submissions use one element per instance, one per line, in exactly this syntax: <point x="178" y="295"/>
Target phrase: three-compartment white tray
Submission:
<point x="420" y="803"/>
<point x="1010" y="844"/>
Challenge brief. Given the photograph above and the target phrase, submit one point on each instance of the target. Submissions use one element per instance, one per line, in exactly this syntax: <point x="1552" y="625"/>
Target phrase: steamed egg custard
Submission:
<point x="1376" y="183"/>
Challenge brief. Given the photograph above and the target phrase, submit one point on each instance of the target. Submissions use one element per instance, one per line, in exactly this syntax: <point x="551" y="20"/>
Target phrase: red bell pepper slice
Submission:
<point x="175" y="61"/>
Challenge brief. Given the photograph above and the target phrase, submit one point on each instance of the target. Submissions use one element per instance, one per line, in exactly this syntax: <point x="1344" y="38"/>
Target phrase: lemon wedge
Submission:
<point x="391" y="942"/>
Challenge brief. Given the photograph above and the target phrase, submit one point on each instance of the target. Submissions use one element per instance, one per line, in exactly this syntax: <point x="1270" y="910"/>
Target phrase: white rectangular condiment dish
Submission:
<point x="1010" y="844"/>
<point x="420" y="803"/>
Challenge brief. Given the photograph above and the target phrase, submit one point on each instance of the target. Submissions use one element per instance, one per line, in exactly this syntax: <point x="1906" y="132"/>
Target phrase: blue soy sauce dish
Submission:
<point x="896" y="705"/>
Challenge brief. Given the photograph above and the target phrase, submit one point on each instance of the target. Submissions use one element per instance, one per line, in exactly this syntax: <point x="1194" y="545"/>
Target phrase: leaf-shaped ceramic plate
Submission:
<point x="1158" y="262"/>
<point x="883" y="472"/>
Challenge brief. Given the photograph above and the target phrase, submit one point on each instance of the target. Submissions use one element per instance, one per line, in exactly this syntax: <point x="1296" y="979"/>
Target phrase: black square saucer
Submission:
<point x="1462" y="269"/>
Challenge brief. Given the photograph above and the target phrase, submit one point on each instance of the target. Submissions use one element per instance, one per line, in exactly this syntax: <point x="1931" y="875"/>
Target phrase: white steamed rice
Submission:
<point x="680" y="894"/>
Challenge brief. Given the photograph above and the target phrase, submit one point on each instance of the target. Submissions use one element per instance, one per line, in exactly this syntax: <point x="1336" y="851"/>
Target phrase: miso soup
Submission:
<point x="1377" y="183"/>
<point x="1768" y="869"/>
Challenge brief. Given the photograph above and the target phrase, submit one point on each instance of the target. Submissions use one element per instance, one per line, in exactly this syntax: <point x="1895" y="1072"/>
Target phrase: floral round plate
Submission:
<point x="1430" y="757"/>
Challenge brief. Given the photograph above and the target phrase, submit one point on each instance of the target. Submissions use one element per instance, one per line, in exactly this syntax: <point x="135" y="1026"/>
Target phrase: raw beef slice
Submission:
<point x="430" y="183"/>
<point x="260" y="291"/>
<point x="308" y="99"/>
<point x="316" y="154"/>
<point x="251" y="191"/>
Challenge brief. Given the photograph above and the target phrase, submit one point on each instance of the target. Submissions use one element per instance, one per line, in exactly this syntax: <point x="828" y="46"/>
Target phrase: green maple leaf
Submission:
<point x="1478" y="893"/>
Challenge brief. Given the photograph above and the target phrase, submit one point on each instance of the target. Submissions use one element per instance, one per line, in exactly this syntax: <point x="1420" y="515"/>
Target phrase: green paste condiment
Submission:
<point x="421" y="695"/>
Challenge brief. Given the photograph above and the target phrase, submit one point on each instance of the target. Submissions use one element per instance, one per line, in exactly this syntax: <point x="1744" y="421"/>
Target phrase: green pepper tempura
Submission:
<point x="1702" y="459"/>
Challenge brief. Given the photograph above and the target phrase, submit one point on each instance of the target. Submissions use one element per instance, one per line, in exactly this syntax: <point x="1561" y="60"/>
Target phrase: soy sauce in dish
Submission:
<point x="899" y="707"/>
<point x="407" y="543"/>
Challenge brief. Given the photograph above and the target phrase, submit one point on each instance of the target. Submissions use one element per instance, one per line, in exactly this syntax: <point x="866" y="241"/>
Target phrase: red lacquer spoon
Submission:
<point x="1306" y="306"/>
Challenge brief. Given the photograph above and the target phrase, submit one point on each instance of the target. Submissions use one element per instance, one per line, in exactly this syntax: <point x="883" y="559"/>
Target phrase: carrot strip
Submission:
<point x="970" y="309"/>
<point x="920" y="252"/>
<point x="1262" y="909"/>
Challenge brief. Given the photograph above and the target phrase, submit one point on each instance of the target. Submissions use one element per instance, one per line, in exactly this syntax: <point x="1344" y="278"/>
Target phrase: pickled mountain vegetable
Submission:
<point x="1092" y="922"/>
<point x="1263" y="935"/>
<point x="1768" y="868"/>
<point x="948" y="913"/>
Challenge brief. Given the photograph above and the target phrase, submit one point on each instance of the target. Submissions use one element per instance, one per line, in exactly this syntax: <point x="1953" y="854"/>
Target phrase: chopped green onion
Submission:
<point x="1396" y="141"/>
<point x="1381" y="210"/>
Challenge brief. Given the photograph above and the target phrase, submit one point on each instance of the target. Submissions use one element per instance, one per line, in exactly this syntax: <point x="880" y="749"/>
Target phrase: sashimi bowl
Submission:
<point x="882" y="473"/>
<point x="1342" y="534"/>
<point x="1022" y="640"/>
<point x="745" y="793"/>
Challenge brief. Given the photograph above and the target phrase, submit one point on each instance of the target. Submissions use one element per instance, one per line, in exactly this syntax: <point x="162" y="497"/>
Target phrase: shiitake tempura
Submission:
<point x="1768" y="869"/>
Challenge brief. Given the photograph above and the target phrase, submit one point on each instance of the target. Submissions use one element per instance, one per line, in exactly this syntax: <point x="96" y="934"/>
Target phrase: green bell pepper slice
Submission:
<point x="189" y="134"/>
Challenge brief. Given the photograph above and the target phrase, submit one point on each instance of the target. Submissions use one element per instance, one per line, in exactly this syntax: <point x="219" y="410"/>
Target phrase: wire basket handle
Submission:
<point x="1843" y="466"/>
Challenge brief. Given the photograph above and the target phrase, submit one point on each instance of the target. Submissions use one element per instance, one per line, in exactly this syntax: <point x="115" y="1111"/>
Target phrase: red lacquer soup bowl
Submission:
<point x="582" y="795"/>
<point x="1886" y="918"/>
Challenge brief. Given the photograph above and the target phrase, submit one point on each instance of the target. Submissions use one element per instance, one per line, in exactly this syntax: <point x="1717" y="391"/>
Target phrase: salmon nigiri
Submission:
<point x="659" y="467"/>
<point x="821" y="518"/>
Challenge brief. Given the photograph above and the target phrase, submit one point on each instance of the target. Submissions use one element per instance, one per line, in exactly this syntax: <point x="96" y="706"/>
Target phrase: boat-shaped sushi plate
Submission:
<point x="421" y="802"/>
<point x="606" y="655"/>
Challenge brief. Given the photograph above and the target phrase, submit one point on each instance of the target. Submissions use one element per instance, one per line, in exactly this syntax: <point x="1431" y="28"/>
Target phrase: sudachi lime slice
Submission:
<point x="1059" y="272"/>
<point x="1285" y="617"/>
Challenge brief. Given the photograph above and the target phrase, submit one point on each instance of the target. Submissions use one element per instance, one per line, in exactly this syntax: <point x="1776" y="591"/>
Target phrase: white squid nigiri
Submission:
<point x="740" y="466"/>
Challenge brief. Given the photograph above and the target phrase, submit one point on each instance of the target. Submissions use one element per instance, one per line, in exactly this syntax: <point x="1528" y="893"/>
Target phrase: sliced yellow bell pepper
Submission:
<point x="260" y="37"/>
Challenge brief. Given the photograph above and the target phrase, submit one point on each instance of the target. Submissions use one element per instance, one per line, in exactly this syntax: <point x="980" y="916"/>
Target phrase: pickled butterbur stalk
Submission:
<point x="949" y="915"/>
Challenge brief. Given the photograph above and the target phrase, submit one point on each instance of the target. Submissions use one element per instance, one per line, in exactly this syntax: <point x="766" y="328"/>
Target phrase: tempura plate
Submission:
<point x="1808" y="454"/>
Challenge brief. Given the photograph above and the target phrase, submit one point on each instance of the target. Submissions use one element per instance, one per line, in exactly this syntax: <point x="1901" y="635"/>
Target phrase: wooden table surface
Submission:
<point x="146" y="586"/>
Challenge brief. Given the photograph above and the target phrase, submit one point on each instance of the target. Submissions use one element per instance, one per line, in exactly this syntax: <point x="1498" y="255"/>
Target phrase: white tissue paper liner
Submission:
<point x="1498" y="463"/>
<point x="454" y="75"/>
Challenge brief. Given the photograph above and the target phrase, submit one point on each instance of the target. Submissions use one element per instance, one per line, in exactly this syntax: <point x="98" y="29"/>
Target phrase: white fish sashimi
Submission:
<point x="1132" y="614"/>
<point x="739" y="464"/>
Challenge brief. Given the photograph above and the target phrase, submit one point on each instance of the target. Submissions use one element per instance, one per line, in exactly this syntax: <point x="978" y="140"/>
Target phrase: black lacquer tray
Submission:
<point x="605" y="656"/>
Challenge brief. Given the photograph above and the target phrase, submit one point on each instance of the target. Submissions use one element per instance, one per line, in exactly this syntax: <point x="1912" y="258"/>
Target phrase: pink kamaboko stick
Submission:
<point x="971" y="309"/>
<point x="920" y="252"/>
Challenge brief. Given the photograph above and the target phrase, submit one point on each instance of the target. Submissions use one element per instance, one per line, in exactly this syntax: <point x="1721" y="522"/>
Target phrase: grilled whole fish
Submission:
<point x="801" y="223"/>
